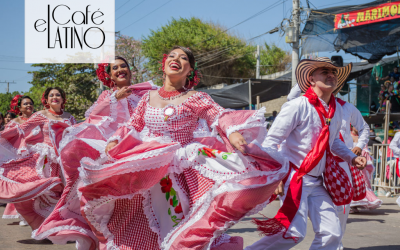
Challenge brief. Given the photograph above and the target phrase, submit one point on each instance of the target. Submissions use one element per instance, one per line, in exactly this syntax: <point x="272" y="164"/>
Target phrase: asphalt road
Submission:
<point x="369" y="230"/>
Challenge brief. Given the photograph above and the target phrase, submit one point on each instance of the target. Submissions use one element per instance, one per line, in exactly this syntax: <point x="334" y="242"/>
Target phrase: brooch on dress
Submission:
<point x="168" y="111"/>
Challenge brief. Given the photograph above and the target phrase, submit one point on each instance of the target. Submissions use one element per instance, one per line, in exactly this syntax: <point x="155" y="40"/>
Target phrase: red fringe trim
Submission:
<point x="272" y="226"/>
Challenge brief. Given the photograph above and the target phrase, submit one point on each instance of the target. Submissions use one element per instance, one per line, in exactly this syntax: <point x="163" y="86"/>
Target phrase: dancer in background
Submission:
<point x="171" y="187"/>
<point x="87" y="140"/>
<point x="9" y="116"/>
<point x="394" y="146"/>
<point x="2" y="122"/>
<point x="22" y="106"/>
<point x="30" y="173"/>
<point x="307" y="131"/>
<point x="370" y="201"/>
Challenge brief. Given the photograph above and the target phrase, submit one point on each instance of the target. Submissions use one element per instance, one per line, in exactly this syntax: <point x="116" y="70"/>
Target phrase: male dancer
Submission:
<point x="350" y="115"/>
<point x="307" y="128"/>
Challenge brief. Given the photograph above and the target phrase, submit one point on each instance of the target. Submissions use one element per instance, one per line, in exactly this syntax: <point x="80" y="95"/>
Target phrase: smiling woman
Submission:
<point x="30" y="176"/>
<point x="176" y="167"/>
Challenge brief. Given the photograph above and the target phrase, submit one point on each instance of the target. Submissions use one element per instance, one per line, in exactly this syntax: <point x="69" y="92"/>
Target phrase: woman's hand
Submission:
<point x="237" y="140"/>
<point x="123" y="92"/>
<point x="111" y="145"/>
<point x="280" y="190"/>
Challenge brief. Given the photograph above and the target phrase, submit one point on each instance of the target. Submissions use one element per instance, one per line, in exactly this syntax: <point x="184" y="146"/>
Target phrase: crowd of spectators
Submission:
<point x="390" y="91"/>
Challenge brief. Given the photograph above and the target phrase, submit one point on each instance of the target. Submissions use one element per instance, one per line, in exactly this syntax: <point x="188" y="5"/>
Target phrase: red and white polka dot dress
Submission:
<point x="175" y="182"/>
<point x="29" y="170"/>
<point x="86" y="140"/>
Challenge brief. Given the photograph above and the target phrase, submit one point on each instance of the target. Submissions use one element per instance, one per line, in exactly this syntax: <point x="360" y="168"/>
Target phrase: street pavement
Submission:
<point x="369" y="230"/>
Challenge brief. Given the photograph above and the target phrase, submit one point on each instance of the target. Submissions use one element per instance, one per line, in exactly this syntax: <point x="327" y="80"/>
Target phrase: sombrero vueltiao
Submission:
<point x="307" y="66"/>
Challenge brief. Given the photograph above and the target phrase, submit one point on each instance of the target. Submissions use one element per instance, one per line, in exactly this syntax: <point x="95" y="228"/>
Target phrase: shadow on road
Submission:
<point x="242" y="230"/>
<point x="13" y="223"/>
<point x="36" y="242"/>
<point x="392" y="247"/>
<point x="351" y="220"/>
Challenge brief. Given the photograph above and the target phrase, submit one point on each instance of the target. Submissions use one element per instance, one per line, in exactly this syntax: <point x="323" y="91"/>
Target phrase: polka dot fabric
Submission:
<point x="131" y="210"/>
<point x="183" y="173"/>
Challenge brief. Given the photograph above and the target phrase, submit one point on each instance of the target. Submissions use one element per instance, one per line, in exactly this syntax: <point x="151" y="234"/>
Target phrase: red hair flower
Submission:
<point x="14" y="104"/>
<point x="103" y="75"/>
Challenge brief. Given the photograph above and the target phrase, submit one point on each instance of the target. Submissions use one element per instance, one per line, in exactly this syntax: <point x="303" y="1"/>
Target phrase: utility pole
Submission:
<point x="8" y="85"/>
<point x="258" y="63"/>
<point x="295" y="50"/>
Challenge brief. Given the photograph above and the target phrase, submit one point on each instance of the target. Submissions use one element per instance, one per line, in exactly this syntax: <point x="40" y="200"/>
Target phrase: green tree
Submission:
<point x="274" y="59"/>
<point x="78" y="81"/>
<point x="5" y="100"/>
<point x="215" y="50"/>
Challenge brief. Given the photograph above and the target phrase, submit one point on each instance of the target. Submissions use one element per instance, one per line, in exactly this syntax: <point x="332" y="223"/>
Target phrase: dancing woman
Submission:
<point x="178" y="185"/>
<point x="28" y="159"/>
<point x="23" y="107"/>
<point x="87" y="140"/>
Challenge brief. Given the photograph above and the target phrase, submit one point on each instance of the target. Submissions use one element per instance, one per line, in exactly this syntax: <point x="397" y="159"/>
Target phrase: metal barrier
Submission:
<point x="385" y="169"/>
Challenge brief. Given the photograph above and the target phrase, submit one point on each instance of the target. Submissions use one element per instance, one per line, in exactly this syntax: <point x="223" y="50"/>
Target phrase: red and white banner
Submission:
<point x="379" y="13"/>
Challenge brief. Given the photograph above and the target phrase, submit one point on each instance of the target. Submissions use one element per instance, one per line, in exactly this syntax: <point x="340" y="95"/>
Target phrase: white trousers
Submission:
<point x="343" y="211"/>
<point x="318" y="206"/>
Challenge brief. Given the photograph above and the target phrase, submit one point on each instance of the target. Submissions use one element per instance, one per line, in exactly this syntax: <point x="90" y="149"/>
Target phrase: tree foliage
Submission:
<point x="274" y="59"/>
<point x="131" y="50"/>
<point x="77" y="80"/>
<point x="5" y="100"/>
<point x="218" y="53"/>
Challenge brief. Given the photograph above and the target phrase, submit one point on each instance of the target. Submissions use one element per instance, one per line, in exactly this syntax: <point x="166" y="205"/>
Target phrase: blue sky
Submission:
<point x="224" y="12"/>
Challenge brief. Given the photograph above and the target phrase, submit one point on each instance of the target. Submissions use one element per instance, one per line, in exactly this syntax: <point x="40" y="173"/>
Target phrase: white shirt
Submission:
<point x="394" y="145"/>
<point x="351" y="115"/>
<point x="294" y="93"/>
<point x="296" y="129"/>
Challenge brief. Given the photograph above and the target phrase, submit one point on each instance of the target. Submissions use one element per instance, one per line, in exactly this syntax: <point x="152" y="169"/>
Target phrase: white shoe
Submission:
<point x="23" y="223"/>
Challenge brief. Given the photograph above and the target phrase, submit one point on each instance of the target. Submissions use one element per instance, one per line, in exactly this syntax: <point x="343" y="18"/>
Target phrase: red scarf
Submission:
<point x="290" y="206"/>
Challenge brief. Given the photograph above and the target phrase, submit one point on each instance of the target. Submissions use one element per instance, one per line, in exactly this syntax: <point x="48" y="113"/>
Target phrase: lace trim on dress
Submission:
<point x="89" y="111"/>
<point x="204" y="202"/>
<point x="256" y="120"/>
<point x="148" y="211"/>
<point x="10" y="216"/>
<point x="54" y="230"/>
<point x="95" y="165"/>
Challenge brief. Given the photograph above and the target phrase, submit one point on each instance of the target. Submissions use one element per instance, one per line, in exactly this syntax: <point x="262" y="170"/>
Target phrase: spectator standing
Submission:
<point x="273" y="116"/>
<point x="395" y="74"/>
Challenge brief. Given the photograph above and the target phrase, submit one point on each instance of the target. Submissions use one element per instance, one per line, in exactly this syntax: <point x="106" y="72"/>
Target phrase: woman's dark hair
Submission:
<point x="188" y="52"/>
<point x="12" y="114"/>
<point x="2" y="119"/>
<point x="24" y="97"/>
<point x="108" y="69"/>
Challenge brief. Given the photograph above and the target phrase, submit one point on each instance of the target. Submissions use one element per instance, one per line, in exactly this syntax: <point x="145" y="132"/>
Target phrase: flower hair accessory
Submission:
<point x="44" y="102"/>
<point x="14" y="104"/>
<point x="103" y="75"/>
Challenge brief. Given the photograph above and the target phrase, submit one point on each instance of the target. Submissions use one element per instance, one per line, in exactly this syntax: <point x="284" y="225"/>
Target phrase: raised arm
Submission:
<point x="359" y="123"/>
<point x="294" y="93"/>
